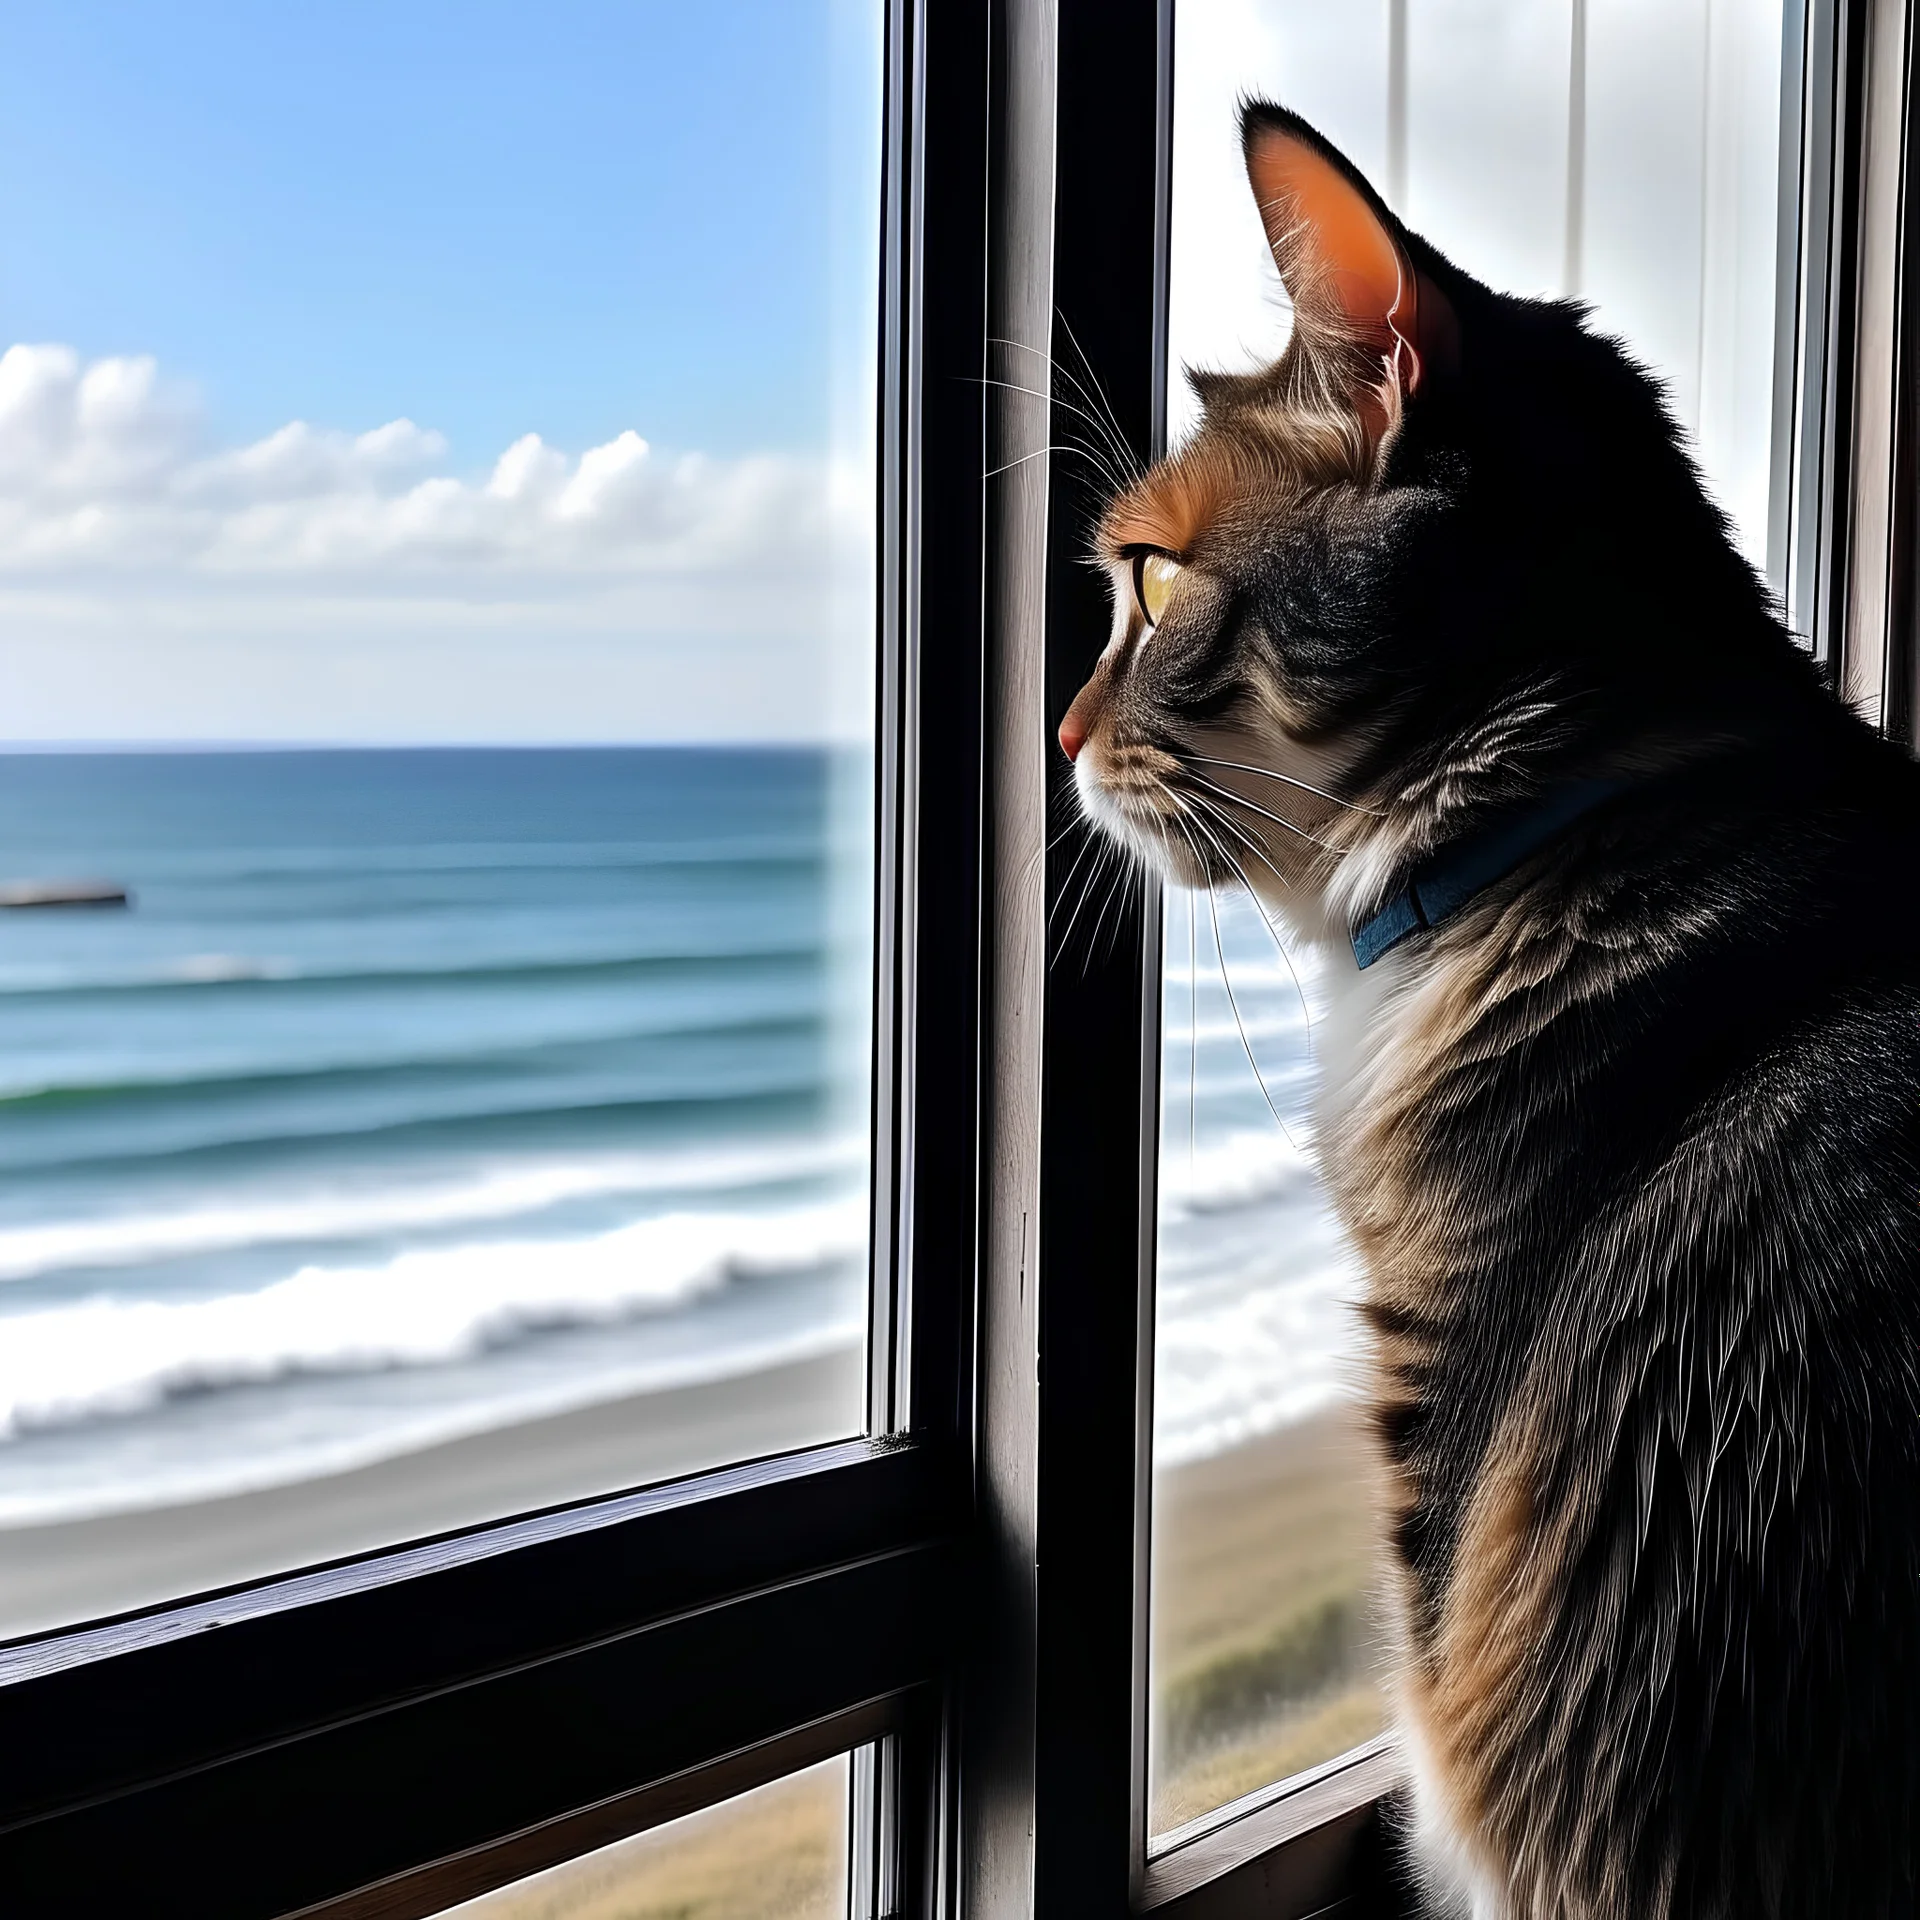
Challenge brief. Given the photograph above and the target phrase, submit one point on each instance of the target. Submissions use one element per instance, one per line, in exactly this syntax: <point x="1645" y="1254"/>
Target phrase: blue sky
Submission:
<point x="284" y="291"/>
<point x="575" y="215"/>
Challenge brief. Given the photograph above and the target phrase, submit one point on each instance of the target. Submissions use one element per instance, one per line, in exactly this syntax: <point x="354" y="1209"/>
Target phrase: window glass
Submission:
<point x="1636" y="166"/>
<point x="777" y="1853"/>
<point x="436" y="454"/>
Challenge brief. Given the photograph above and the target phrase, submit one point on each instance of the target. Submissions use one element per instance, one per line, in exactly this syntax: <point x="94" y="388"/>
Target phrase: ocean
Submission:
<point x="1255" y="1283"/>
<point x="422" y="1092"/>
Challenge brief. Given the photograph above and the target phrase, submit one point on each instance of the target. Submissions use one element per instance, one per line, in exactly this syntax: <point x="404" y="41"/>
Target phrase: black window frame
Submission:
<point x="1847" y="459"/>
<point x="399" y="1730"/>
<point x="961" y="1595"/>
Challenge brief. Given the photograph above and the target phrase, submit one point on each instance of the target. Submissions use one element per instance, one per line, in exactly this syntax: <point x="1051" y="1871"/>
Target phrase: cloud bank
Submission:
<point x="323" y="583"/>
<point x="102" y="466"/>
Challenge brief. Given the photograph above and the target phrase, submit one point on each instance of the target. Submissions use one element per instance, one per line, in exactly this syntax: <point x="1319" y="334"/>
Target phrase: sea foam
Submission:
<point x="491" y="1192"/>
<point x="101" y="1356"/>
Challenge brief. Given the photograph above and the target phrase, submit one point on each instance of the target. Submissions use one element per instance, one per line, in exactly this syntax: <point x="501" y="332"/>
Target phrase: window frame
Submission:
<point x="1059" y="1711"/>
<point x="961" y="1595"/>
<point x="1852" y="460"/>
<point x="356" y="1738"/>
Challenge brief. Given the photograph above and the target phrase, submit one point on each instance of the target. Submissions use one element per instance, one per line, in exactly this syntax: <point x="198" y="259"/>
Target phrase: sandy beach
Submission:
<point x="1265" y="1629"/>
<point x="82" y="1570"/>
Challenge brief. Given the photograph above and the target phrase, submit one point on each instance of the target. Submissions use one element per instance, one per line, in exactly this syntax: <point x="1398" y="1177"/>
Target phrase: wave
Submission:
<point x="458" y="1059"/>
<point x="103" y="1357"/>
<point x="502" y="1126"/>
<point x="210" y="1475"/>
<point x="489" y="1193"/>
<point x="1254" y="1350"/>
<point x="1239" y="1170"/>
<point x="239" y="969"/>
<point x="468" y="857"/>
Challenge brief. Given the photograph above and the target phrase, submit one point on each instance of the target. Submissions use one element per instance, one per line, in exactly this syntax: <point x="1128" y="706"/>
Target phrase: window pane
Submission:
<point x="1663" y="215"/>
<point x="1643" y="178"/>
<point x="436" y="458"/>
<point x="777" y="1853"/>
<point x="1263" y="1656"/>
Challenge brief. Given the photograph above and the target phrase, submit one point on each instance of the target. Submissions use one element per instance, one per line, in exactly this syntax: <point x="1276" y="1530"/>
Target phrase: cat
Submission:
<point x="1430" y="636"/>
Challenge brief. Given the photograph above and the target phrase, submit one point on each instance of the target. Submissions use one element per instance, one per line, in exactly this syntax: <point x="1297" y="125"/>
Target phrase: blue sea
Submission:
<point x="1255" y="1283"/>
<point x="420" y="1092"/>
<point x="414" y="1093"/>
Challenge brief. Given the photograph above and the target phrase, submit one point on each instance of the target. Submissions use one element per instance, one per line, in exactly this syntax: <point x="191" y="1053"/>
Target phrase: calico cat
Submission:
<point x="1430" y="636"/>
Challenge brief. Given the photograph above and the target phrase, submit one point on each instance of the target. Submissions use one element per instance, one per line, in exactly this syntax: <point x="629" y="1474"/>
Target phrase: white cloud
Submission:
<point x="322" y="584"/>
<point x="103" y="467"/>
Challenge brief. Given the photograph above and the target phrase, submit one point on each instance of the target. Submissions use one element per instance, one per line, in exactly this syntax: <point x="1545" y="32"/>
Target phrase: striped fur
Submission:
<point x="1631" y="1147"/>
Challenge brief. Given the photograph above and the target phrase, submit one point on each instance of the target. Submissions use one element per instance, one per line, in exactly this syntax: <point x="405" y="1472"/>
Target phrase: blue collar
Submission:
<point x="1447" y="880"/>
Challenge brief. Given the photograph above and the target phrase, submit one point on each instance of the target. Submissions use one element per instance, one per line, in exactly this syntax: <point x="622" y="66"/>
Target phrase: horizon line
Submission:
<point x="29" y="747"/>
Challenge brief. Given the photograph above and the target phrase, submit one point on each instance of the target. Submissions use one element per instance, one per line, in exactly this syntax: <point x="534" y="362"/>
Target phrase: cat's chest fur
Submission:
<point x="1411" y="1064"/>
<point x="1381" y="1044"/>
<point x="1361" y="1034"/>
<point x="1378" y="1040"/>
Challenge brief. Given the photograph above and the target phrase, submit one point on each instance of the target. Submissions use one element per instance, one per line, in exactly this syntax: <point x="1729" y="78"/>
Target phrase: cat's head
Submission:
<point x="1446" y="549"/>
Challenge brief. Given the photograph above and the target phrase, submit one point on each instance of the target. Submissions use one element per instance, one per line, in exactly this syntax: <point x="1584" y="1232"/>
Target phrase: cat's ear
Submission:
<point x="1342" y="261"/>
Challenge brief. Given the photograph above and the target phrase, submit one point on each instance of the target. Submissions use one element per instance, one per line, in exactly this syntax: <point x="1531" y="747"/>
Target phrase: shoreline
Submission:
<point x="1266" y="1512"/>
<point x="61" y="1574"/>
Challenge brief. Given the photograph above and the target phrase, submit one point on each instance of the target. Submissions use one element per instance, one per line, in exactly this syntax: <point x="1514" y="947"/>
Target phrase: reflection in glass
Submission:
<point x="1639" y="171"/>
<point x="777" y="1853"/>
<point x="437" y="586"/>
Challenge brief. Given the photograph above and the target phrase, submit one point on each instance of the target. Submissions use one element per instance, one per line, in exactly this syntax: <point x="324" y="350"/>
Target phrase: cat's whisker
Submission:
<point x="1098" y="397"/>
<point x="1246" y="1045"/>
<point x="1100" y="456"/>
<point x="1075" y="824"/>
<point x="1094" y="455"/>
<point x="1201" y="818"/>
<point x="1240" y="1026"/>
<point x="1253" y="806"/>
<point x="1092" y="844"/>
<point x="1199" y="809"/>
<point x="1128" y="873"/>
<point x="1102" y="416"/>
<point x="1193" y="1032"/>
<point x="1125" y="459"/>
<point x="1107" y="854"/>
<point x="1122" y="876"/>
<point x="1268" y="773"/>
<point x="993" y="473"/>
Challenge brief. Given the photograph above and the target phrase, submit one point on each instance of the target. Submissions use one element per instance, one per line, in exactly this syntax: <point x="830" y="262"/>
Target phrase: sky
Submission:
<point x="461" y="370"/>
<point x="1679" y="221"/>
<point x="435" y="371"/>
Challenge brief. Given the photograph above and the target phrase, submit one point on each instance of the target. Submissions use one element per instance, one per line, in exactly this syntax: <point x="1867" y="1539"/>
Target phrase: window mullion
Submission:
<point x="1080" y="118"/>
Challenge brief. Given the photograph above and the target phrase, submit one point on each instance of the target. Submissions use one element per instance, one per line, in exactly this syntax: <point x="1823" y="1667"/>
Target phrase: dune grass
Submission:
<point x="1265" y="1633"/>
<point x="1263" y="1662"/>
<point x="778" y="1853"/>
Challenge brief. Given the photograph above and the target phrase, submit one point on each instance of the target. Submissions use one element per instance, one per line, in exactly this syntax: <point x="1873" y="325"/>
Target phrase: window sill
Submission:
<point x="1279" y="1854"/>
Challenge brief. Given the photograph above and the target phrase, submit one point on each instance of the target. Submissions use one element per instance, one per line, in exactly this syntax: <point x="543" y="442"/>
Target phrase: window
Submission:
<point x="1626" y="155"/>
<point x="464" y="711"/>
<point x="777" y="1852"/>
<point x="939" y="1643"/>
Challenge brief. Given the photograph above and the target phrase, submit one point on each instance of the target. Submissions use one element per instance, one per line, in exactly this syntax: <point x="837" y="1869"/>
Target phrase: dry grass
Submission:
<point x="1264" y="1639"/>
<point x="778" y="1853"/>
<point x="1211" y="1776"/>
<point x="1263" y="1663"/>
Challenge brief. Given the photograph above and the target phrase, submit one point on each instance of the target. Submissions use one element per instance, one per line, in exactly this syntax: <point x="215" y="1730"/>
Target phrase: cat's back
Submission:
<point x="1654" y="1423"/>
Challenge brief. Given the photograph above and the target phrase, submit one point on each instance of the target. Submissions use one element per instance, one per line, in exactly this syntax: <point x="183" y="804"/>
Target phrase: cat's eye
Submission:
<point x="1153" y="577"/>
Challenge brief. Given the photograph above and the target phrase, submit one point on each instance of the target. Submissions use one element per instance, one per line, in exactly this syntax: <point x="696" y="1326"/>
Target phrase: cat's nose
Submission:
<point x="1073" y="734"/>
